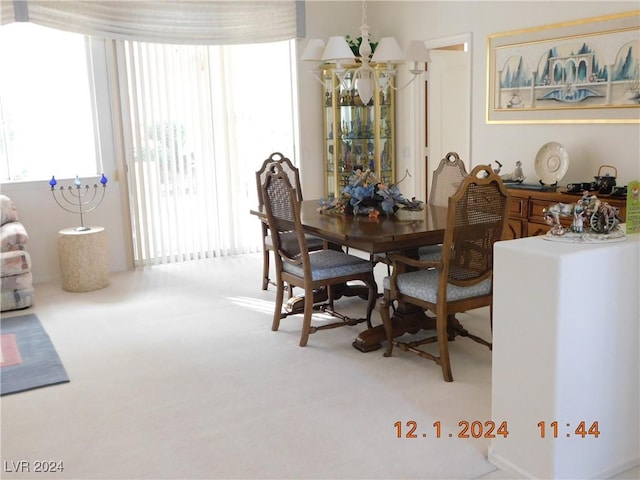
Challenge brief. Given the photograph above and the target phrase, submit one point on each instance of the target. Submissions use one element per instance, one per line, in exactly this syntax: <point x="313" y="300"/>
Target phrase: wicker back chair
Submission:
<point x="297" y="266"/>
<point x="462" y="279"/>
<point x="293" y="174"/>
<point x="446" y="180"/>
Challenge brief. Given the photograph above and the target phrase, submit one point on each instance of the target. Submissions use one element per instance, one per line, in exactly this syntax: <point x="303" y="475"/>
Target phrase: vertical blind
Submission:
<point x="202" y="120"/>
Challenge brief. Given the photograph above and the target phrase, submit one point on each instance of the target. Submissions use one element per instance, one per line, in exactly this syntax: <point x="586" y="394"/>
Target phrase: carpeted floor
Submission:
<point x="29" y="359"/>
<point x="177" y="374"/>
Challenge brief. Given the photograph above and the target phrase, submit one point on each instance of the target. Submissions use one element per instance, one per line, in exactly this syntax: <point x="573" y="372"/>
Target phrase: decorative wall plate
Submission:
<point x="552" y="162"/>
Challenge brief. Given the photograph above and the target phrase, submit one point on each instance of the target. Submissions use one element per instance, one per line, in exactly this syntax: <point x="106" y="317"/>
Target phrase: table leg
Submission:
<point x="407" y="318"/>
<point x="295" y="305"/>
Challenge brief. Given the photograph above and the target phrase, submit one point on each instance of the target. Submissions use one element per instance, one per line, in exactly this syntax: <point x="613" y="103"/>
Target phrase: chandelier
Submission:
<point x="363" y="78"/>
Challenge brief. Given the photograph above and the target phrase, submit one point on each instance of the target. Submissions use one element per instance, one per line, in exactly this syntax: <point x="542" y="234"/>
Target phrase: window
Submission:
<point x="48" y="122"/>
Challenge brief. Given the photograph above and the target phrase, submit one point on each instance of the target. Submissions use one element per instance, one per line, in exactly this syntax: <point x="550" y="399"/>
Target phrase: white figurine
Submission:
<point x="516" y="176"/>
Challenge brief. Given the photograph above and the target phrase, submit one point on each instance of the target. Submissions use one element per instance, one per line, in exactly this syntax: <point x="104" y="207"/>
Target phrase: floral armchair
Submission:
<point x="15" y="262"/>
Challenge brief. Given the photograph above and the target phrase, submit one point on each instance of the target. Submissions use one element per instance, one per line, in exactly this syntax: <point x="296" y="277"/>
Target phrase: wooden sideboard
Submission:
<point x="527" y="207"/>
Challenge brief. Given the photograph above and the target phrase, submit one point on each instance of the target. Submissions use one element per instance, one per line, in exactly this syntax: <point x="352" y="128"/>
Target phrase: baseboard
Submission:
<point x="507" y="466"/>
<point x="623" y="467"/>
<point x="518" y="472"/>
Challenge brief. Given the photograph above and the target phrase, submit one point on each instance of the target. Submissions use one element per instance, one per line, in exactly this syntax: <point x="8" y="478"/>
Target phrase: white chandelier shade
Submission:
<point x="364" y="77"/>
<point x="337" y="51"/>
<point x="388" y="51"/>
<point x="417" y="53"/>
<point x="313" y="51"/>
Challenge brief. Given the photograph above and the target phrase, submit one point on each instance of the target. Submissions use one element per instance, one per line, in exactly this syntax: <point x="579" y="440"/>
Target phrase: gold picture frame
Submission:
<point x="583" y="71"/>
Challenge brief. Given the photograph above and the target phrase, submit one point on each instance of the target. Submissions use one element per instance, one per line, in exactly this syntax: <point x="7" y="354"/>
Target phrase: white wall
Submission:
<point x="589" y="145"/>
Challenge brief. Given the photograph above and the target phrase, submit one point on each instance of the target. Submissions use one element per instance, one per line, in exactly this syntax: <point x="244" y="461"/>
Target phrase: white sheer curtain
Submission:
<point x="201" y="121"/>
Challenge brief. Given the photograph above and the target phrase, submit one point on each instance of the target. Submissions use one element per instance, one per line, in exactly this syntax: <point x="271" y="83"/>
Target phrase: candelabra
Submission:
<point x="75" y="199"/>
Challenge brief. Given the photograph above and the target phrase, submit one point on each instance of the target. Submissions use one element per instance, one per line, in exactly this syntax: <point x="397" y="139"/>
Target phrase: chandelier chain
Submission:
<point x="364" y="12"/>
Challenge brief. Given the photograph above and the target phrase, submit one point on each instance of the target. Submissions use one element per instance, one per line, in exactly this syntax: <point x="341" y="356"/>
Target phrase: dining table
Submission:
<point x="405" y="231"/>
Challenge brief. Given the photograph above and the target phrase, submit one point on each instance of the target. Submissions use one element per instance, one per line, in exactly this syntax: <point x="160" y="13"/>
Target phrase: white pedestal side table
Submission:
<point x="83" y="258"/>
<point x="566" y="358"/>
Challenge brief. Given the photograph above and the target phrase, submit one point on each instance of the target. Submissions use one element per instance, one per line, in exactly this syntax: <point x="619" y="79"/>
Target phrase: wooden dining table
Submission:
<point x="405" y="231"/>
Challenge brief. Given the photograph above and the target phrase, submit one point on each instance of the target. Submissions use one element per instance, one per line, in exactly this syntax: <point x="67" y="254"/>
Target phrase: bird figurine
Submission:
<point x="516" y="176"/>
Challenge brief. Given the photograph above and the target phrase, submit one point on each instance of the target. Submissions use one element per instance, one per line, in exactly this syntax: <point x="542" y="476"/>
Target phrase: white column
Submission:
<point x="565" y="349"/>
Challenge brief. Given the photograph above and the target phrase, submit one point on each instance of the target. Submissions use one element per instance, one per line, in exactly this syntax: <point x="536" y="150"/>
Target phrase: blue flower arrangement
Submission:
<point x="365" y="195"/>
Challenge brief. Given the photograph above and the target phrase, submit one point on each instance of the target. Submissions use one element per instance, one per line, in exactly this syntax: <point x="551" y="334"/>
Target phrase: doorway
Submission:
<point x="446" y="122"/>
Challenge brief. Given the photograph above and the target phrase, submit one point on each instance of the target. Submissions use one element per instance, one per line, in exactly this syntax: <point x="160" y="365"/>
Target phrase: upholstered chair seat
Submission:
<point x="423" y="285"/>
<point x="330" y="263"/>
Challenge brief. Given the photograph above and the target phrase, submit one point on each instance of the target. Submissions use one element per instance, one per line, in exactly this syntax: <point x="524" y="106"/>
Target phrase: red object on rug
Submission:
<point x="9" y="352"/>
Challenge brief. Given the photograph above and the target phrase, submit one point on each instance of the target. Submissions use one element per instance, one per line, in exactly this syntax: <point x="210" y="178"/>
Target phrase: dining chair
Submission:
<point x="313" y="243"/>
<point x="461" y="279"/>
<point x="445" y="181"/>
<point x="311" y="270"/>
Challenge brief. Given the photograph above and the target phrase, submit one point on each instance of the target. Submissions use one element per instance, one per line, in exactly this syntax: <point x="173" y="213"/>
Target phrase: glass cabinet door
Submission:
<point x="357" y="136"/>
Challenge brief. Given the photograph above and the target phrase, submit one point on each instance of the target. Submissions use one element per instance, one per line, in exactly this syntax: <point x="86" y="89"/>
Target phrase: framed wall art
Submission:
<point x="584" y="71"/>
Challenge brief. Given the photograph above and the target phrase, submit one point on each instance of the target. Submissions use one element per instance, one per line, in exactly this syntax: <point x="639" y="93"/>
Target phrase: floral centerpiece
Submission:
<point x="366" y="195"/>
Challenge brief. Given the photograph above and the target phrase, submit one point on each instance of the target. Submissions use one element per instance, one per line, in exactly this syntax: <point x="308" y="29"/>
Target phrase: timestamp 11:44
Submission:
<point x="557" y="430"/>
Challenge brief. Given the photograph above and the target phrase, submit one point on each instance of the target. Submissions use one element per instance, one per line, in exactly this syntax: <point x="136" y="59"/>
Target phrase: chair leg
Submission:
<point x="371" y="301"/>
<point x="306" y="322"/>
<point x="443" y="343"/>
<point x="277" y="314"/>
<point x="265" y="273"/>
<point x="265" y="268"/>
<point x="330" y="296"/>
<point x="383" y="307"/>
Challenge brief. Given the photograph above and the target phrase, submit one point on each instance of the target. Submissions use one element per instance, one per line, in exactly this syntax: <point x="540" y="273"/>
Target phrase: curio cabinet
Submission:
<point x="356" y="136"/>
